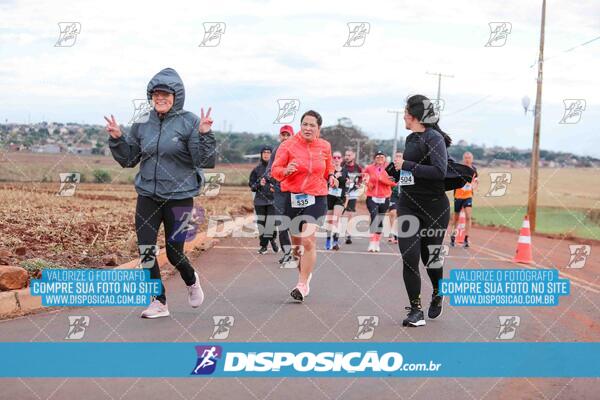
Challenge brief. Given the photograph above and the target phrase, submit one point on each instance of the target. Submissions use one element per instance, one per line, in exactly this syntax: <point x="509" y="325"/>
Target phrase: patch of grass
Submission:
<point x="37" y="264"/>
<point x="549" y="220"/>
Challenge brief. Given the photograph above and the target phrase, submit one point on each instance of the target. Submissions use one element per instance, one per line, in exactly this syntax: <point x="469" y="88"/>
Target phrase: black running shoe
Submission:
<point x="466" y="244"/>
<point x="415" y="317"/>
<point x="452" y="239"/>
<point x="348" y="240"/>
<point x="274" y="245"/>
<point x="436" y="307"/>
<point x="263" y="250"/>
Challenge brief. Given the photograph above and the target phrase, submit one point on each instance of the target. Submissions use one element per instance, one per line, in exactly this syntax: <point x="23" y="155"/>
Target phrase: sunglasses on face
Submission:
<point x="338" y="157"/>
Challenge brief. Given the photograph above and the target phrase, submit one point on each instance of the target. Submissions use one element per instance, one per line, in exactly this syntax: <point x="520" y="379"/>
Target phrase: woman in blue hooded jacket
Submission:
<point x="171" y="146"/>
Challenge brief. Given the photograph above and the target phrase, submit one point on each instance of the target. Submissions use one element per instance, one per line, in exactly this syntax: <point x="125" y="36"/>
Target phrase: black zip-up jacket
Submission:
<point x="263" y="196"/>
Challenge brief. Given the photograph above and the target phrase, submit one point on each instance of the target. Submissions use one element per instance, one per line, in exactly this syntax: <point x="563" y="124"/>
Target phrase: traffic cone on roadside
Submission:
<point x="523" y="254"/>
<point x="460" y="228"/>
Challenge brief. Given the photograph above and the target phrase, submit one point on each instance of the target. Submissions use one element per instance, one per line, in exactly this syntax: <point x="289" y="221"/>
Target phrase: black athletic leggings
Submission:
<point x="149" y="214"/>
<point x="431" y="215"/>
<point x="279" y="200"/>
<point x="265" y="216"/>
<point x="377" y="212"/>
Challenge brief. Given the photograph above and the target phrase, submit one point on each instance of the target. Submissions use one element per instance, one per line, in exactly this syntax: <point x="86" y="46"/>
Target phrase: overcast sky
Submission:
<point x="279" y="50"/>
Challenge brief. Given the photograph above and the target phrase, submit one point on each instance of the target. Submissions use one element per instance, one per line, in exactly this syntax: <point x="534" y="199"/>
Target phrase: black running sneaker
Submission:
<point x="263" y="250"/>
<point x="274" y="245"/>
<point x="415" y="317"/>
<point x="436" y="307"/>
<point x="348" y="240"/>
<point x="466" y="244"/>
<point x="452" y="239"/>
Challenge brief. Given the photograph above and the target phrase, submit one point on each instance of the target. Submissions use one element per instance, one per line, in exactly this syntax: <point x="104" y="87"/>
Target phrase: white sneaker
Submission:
<point x="371" y="248"/>
<point x="156" y="309"/>
<point x="376" y="247"/>
<point x="195" y="293"/>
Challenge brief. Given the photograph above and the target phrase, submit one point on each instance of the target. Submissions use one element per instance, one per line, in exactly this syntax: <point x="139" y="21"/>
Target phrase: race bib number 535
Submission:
<point x="301" y="200"/>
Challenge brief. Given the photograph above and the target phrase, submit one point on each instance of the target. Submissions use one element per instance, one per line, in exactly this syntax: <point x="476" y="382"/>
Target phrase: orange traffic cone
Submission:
<point x="523" y="254"/>
<point x="460" y="228"/>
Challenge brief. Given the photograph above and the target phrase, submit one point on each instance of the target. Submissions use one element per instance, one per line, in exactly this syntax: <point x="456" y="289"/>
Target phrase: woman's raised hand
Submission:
<point x="112" y="127"/>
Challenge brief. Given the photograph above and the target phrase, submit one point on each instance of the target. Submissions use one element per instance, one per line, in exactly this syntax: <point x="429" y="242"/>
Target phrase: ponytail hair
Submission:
<point x="421" y="108"/>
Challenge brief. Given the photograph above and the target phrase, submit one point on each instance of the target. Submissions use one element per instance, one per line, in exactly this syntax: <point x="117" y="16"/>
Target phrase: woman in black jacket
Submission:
<point x="423" y="208"/>
<point x="263" y="189"/>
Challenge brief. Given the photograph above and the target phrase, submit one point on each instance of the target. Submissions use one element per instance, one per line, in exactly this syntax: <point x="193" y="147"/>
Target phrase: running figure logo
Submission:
<point x="287" y="111"/>
<point x="68" y="34"/>
<point x="437" y="253"/>
<point x="212" y="184"/>
<point x="508" y="326"/>
<point x="212" y="34"/>
<point x="77" y="326"/>
<point x="432" y="110"/>
<point x="223" y="324"/>
<point x="499" y="32"/>
<point x="141" y="111"/>
<point x="207" y="359"/>
<point x="187" y="221"/>
<point x="366" y="326"/>
<point x="68" y="183"/>
<point x="499" y="186"/>
<point x="357" y="33"/>
<point x="148" y="253"/>
<point x="573" y="110"/>
<point x="579" y="255"/>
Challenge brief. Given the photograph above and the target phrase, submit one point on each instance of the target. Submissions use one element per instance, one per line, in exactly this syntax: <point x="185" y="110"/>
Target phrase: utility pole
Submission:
<point x="358" y="140"/>
<point x="397" y="112"/>
<point x="439" y="75"/>
<point x="535" y="150"/>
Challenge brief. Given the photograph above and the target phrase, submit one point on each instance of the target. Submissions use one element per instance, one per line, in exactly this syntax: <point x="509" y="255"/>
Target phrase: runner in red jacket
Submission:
<point x="304" y="168"/>
<point x="379" y="190"/>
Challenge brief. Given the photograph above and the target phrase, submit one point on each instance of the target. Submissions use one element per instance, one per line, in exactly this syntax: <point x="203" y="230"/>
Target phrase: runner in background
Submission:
<point x="379" y="189"/>
<point x="336" y="198"/>
<point x="353" y="186"/>
<point x="392" y="170"/>
<point x="463" y="199"/>
<point x="263" y="189"/>
<point x="279" y="200"/>
<point x="303" y="166"/>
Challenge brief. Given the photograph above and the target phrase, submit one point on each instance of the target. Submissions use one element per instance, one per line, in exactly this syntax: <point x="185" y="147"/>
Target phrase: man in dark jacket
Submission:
<point x="263" y="188"/>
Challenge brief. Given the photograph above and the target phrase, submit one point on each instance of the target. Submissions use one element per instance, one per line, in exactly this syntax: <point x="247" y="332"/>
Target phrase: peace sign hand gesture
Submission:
<point x="205" y="121"/>
<point x="112" y="127"/>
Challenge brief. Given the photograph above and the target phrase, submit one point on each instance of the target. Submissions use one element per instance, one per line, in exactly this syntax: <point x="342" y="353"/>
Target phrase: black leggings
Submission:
<point x="279" y="201"/>
<point x="149" y="214"/>
<point x="432" y="216"/>
<point x="377" y="212"/>
<point x="265" y="216"/>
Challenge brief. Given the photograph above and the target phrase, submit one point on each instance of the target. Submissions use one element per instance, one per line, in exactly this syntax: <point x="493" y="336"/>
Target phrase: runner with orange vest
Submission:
<point x="463" y="199"/>
<point x="303" y="165"/>
<point x="379" y="190"/>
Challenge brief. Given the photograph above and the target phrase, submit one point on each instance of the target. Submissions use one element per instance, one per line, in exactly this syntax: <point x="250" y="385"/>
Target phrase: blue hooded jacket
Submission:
<point x="171" y="151"/>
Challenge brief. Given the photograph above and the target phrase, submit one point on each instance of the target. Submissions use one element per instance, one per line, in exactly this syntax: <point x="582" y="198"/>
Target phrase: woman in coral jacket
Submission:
<point x="303" y="165"/>
<point x="379" y="190"/>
